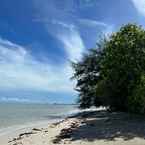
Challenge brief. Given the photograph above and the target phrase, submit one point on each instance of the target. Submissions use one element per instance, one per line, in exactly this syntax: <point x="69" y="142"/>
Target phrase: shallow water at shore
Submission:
<point x="17" y="114"/>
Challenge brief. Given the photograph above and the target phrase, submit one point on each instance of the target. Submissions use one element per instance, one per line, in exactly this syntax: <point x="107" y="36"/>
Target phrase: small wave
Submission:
<point x="76" y="111"/>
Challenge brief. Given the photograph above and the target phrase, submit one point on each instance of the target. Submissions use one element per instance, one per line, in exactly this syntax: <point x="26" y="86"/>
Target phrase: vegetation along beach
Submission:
<point x="72" y="72"/>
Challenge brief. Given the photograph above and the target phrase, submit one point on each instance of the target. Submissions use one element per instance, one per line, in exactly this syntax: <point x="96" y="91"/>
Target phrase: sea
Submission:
<point x="12" y="114"/>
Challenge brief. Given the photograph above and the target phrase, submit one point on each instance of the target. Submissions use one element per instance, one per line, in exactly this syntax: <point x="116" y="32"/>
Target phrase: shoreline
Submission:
<point x="13" y="128"/>
<point x="8" y="133"/>
<point x="88" y="127"/>
<point x="41" y="123"/>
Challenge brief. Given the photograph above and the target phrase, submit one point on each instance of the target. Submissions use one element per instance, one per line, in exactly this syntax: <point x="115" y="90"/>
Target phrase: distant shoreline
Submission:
<point x="43" y="103"/>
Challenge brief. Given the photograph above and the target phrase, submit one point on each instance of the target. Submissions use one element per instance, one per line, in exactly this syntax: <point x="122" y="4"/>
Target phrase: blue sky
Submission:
<point x="38" y="38"/>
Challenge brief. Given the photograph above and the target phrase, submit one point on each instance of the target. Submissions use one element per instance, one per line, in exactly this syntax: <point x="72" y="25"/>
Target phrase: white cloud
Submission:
<point x="72" y="41"/>
<point x="107" y="29"/>
<point x="70" y="37"/>
<point x="20" y="70"/>
<point x="140" y="6"/>
<point x="65" y="25"/>
<point x="59" y="24"/>
<point x="14" y="99"/>
<point x="92" y="23"/>
<point x="73" y="45"/>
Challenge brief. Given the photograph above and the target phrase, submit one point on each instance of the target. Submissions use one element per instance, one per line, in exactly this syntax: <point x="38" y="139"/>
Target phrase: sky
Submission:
<point x="38" y="39"/>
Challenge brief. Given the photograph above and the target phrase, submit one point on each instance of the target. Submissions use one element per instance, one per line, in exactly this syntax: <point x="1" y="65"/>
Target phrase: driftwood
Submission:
<point x="36" y="129"/>
<point x="26" y="133"/>
<point x="20" y="136"/>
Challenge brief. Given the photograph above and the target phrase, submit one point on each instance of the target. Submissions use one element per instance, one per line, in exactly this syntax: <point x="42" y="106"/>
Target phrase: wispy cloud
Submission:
<point x="73" y="44"/>
<point x="61" y="25"/>
<point x="140" y="6"/>
<point x="92" y="23"/>
<point x="106" y="28"/>
<point x="15" y="99"/>
<point x="20" y="70"/>
<point x="71" y="40"/>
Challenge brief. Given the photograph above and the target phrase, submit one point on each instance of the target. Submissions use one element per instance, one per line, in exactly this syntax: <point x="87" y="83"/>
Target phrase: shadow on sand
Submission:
<point x="102" y="125"/>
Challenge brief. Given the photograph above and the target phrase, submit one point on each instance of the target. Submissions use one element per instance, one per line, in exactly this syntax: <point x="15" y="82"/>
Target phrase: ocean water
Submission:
<point x="17" y="113"/>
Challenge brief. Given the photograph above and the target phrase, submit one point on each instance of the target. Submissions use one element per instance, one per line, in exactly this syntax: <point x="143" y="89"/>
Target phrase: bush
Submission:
<point x="112" y="74"/>
<point x="86" y="74"/>
<point x="136" y="102"/>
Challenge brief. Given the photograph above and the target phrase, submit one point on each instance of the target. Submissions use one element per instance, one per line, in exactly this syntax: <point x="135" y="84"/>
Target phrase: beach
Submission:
<point x="88" y="128"/>
<point x="16" y="118"/>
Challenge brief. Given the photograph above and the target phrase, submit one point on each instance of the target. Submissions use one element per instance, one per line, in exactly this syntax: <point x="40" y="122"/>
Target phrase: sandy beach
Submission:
<point x="87" y="128"/>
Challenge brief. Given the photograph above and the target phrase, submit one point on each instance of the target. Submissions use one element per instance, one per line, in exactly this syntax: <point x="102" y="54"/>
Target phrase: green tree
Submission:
<point x="111" y="74"/>
<point x="123" y="64"/>
<point x="137" y="99"/>
<point x="86" y="72"/>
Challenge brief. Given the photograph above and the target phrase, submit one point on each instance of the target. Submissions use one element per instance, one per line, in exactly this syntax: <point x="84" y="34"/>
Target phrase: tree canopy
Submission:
<point x="113" y="74"/>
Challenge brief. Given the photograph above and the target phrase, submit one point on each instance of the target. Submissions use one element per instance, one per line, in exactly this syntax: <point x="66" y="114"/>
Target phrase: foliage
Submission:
<point x="111" y="74"/>
<point x="137" y="99"/>
<point x="86" y="72"/>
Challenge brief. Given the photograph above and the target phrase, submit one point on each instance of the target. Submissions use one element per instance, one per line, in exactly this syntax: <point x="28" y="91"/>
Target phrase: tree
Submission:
<point x="86" y="72"/>
<point x="123" y="64"/>
<point x="112" y="75"/>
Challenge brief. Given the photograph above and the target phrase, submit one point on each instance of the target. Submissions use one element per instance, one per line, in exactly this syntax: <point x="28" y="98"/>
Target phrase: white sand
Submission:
<point x="9" y="133"/>
<point x="89" y="131"/>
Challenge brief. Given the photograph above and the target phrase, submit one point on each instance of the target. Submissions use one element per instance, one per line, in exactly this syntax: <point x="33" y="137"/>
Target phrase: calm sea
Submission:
<point x="18" y="114"/>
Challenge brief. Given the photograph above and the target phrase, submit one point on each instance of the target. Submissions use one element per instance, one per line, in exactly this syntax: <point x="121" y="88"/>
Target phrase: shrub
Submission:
<point x="113" y="73"/>
<point x="136" y="102"/>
